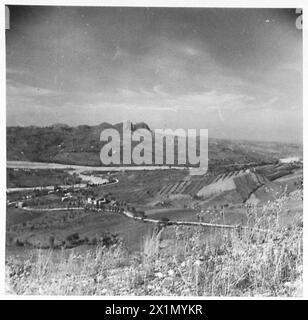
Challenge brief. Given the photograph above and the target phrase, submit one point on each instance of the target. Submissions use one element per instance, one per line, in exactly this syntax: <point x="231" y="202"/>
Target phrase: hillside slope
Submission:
<point x="243" y="184"/>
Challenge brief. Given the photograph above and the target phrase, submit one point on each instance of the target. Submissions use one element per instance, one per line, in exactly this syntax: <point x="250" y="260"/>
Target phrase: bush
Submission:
<point x="164" y="220"/>
<point x="19" y="243"/>
<point x="108" y="239"/>
<point x="73" y="238"/>
<point x="51" y="242"/>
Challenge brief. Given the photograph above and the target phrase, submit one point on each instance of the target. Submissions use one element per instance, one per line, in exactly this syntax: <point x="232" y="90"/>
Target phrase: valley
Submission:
<point x="37" y="214"/>
<point x="137" y="222"/>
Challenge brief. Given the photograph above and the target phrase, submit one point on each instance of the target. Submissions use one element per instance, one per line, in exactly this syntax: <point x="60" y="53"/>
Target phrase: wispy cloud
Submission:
<point x="167" y="67"/>
<point x="15" y="89"/>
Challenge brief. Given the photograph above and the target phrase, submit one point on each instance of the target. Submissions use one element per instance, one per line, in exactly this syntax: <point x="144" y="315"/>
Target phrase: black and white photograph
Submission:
<point x="153" y="151"/>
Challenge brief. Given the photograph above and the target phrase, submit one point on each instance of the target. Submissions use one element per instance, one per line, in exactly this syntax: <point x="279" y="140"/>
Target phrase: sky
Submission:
<point x="235" y="72"/>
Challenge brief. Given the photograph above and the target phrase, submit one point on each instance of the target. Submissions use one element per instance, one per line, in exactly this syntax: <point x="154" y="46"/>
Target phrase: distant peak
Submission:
<point x="141" y="125"/>
<point x="59" y="125"/>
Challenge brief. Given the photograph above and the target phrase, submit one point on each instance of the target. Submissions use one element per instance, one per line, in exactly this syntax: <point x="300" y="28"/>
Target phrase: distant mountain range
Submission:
<point x="81" y="145"/>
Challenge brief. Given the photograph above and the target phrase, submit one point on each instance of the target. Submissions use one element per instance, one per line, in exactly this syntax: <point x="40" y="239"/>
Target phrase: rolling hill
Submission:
<point x="81" y="145"/>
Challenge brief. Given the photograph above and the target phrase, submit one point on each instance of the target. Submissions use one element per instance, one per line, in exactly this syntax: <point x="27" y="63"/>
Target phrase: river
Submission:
<point x="78" y="170"/>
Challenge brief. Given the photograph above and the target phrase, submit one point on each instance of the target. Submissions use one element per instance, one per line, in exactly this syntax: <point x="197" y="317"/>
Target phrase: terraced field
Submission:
<point x="192" y="185"/>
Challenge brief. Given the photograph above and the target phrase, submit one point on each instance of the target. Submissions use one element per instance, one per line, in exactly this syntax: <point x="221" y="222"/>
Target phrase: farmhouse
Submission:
<point x="97" y="202"/>
<point x="19" y="204"/>
<point x="91" y="200"/>
<point x="102" y="201"/>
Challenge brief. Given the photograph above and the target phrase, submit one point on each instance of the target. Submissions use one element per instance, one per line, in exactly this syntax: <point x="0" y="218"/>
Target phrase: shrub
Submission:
<point x="51" y="242"/>
<point x="19" y="243"/>
<point x="164" y="220"/>
<point x="72" y="238"/>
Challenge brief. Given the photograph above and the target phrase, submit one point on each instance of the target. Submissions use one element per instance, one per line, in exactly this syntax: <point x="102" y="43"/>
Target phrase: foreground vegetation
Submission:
<point x="178" y="261"/>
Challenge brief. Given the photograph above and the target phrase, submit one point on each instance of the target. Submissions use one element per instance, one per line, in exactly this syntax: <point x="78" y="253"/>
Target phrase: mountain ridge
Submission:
<point x="81" y="145"/>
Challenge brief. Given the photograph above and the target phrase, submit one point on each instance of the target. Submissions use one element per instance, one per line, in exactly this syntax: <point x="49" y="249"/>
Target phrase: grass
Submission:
<point x="177" y="261"/>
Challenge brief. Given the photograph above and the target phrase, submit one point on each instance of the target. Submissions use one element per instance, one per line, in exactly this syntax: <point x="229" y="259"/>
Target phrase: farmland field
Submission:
<point x="63" y="220"/>
<point x="158" y="193"/>
<point x="35" y="178"/>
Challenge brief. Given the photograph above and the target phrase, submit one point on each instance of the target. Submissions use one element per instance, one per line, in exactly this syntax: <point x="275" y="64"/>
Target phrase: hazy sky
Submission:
<point x="235" y="72"/>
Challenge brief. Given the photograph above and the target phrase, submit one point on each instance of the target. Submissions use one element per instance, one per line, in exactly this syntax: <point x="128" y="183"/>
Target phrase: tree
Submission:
<point x="51" y="242"/>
